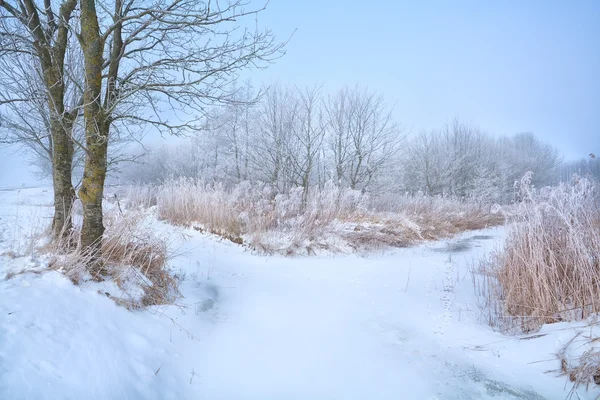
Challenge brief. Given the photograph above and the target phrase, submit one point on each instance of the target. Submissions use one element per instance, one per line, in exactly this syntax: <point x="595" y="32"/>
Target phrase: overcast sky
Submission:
<point x="506" y="66"/>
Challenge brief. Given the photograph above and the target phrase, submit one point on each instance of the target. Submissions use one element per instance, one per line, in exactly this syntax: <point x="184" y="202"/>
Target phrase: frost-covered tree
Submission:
<point x="362" y="137"/>
<point x="276" y="116"/>
<point x="233" y="131"/>
<point x="463" y="161"/>
<point x="309" y="133"/>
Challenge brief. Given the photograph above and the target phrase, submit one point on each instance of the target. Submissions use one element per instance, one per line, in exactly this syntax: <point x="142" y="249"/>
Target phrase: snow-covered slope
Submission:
<point x="395" y="325"/>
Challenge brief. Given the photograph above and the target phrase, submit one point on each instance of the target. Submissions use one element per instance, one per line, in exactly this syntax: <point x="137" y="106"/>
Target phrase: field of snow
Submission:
<point x="402" y="324"/>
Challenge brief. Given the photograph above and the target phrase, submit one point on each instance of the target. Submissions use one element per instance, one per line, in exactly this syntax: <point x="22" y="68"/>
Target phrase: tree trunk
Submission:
<point x="96" y="136"/>
<point x="64" y="193"/>
<point x="91" y="193"/>
<point x="61" y="125"/>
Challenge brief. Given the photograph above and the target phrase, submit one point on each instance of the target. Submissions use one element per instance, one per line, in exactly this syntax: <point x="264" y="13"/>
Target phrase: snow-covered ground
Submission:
<point x="402" y="324"/>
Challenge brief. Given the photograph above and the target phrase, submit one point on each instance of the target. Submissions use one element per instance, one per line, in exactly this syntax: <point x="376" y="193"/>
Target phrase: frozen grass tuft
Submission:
<point x="133" y="256"/>
<point x="304" y="222"/>
<point x="549" y="267"/>
<point x="579" y="360"/>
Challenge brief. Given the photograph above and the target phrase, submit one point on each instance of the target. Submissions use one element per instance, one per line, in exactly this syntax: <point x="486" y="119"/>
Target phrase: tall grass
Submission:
<point x="134" y="257"/>
<point x="302" y="222"/>
<point x="549" y="267"/>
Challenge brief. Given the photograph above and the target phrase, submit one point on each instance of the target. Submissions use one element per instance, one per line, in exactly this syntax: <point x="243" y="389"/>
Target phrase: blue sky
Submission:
<point x="506" y="66"/>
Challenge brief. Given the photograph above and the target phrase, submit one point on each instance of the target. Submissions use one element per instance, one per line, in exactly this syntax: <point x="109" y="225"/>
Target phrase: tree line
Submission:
<point x="289" y="137"/>
<point x="301" y="137"/>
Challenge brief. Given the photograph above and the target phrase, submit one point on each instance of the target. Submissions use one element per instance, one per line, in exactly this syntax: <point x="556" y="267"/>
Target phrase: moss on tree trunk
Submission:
<point x="64" y="193"/>
<point x="96" y="136"/>
<point x="61" y="125"/>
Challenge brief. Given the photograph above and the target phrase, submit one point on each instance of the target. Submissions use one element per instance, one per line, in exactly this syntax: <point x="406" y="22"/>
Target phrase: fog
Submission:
<point x="15" y="169"/>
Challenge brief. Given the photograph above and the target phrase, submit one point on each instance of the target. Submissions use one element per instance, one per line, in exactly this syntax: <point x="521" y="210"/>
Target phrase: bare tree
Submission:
<point x="463" y="145"/>
<point x="26" y="124"/>
<point x="309" y="135"/>
<point x="142" y="56"/>
<point x="292" y="139"/>
<point x="271" y="157"/>
<point x="233" y="124"/>
<point x="536" y="156"/>
<point x="424" y="166"/>
<point x="338" y="125"/>
<point x="374" y="138"/>
<point x="463" y="161"/>
<point x="37" y="35"/>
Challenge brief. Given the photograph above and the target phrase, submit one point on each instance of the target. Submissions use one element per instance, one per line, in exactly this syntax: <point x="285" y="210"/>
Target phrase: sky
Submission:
<point x="505" y="67"/>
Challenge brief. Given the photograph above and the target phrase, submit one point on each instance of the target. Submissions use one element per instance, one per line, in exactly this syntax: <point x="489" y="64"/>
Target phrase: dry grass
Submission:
<point x="133" y="257"/>
<point x="327" y="218"/>
<point x="579" y="361"/>
<point x="549" y="267"/>
<point x="12" y="274"/>
<point x="548" y="270"/>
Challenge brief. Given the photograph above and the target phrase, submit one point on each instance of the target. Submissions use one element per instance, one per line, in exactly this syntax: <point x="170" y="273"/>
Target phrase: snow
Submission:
<point x="391" y="325"/>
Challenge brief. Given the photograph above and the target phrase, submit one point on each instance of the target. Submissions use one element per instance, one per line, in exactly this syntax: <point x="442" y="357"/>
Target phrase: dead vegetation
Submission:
<point x="303" y="222"/>
<point x="14" y="273"/>
<point x="580" y="362"/>
<point x="134" y="257"/>
<point x="548" y="269"/>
